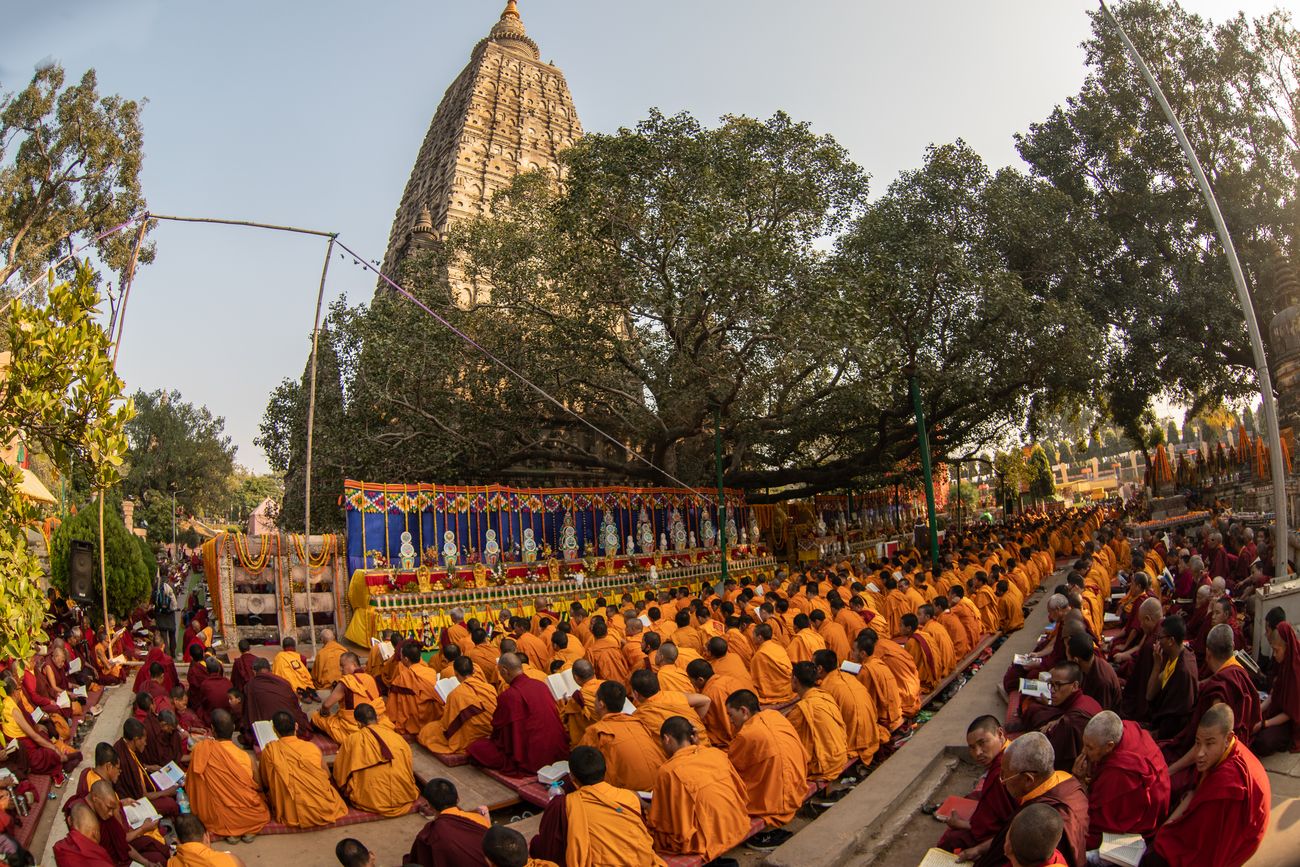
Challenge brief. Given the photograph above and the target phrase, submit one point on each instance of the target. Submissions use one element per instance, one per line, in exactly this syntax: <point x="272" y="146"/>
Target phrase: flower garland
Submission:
<point x="328" y="543"/>
<point x="251" y="565"/>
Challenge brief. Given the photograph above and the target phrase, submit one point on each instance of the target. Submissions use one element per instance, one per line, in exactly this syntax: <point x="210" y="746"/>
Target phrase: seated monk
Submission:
<point x="134" y="782"/>
<point x="1100" y="683"/>
<point x="163" y="741"/>
<point x="1172" y="684"/>
<point x="820" y="726"/>
<point x="772" y="763"/>
<point x="1063" y="720"/>
<point x="1126" y="778"/>
<point x="373" y="767"/>
<point x="770" y="668"/>
<point x="698" y="803"/>
<point x="526" y="730"/>
<point x="453" y="836"/>
<point x="241" y="670"/>
<point x="81" y="848"/>
<point x="565" y="649"/>
<point x="351" y="852"/>
<point x="994" y="806"/>
<point x="1011" y="615"/>
<point x="939" y="639"/>
<point x="632" y="756"/>
<point x="1229" y="683"/>
<point x="266" y="695"/>
<point x="186" y="719"/>
<point x="920" y="646"/>
<point x="154" y="688"/>
<point x="214" y="691"/>
<point x="1279" y="726"/>
<point x="718" y="654"/>
<point x="223" y="785"/>
<point x="355" y="687"/>
<point x="879" y="682"/>
<point x="506" y="847"/>
<point x="143" y="845"/>
<point x="606" y="653"/>
<point x="901" y="665"/>
<point x="290" y="665"/>
<point x="1032" y="839"/>
<point x="44" y="756"/>
<point x="197" y="673"/>
<point x="597" y="824"/>
<point x="157" y="653"/>
<point x="670" y="667"/>
<point x="467" y="715"/>
<point x="578" y="711"/>
<point x="805" y="641"/>
<point x="655" y="705"/>
<point x="52" y="679"/>
<point x="715" y="687"/>
<point x="1029" y="776"/>
<point x="297" y="780"/>
<point x="413" y="702"/>
<point x="107" y="671"/>
<point x="1223" y="820"/>
<point x="194" y="847"/>
<point x="861" y="719"/>
<point x="325" y="667"/>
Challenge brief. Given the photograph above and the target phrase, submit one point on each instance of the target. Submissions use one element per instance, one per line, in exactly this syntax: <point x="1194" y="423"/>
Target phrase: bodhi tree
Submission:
<point x="69" y="171"/>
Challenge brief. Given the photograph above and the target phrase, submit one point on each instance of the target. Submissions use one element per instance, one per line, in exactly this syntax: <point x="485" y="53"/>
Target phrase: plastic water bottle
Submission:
<point x="183" y="801"/>
<point x="555" y="791"/>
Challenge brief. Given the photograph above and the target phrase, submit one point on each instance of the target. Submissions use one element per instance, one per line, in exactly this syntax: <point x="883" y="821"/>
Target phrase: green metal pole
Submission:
<point x="722" y="514"/>
<point x="925" y="466"/>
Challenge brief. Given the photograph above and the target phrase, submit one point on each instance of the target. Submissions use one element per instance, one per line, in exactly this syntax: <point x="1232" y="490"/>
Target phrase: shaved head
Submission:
<point x="1218" y="719"/>
<point x="1034" y="834"/>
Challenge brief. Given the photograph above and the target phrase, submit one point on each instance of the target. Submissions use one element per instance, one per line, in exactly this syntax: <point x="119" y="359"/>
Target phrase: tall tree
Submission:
<point x="1038" y="475"/>
<point x="69" y="171"/>
<point x="180" y="448"/>
<point x="1163" y="293"/>
<point x="283" y="436"/>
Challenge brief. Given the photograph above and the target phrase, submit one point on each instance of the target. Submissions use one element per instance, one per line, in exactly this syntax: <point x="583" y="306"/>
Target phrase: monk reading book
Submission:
<point x="413" y="701"/>
<point x="526" y="730"/>
<point x="298" y="783"/>
<point x="81" y="848"/>
<point x="266" y="695"/>
<point x="1126" y="778"/>
<point x="466" y="715"/>
<point x="373" y="767"/>
<point x="632" y="756"/>
<point x="858" y="709"/>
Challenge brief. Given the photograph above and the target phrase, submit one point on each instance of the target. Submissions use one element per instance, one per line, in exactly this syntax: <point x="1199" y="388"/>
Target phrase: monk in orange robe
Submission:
<point x="289" y="664"/>
<point x="537" y="651"/>
<point x="606" y="654"/>
<point x="223" y="784"/>
<point x="298" y="784"/>
<point x="698" y="804"/>
<point x="770" y="758"/>
<point x="816" y="718"/>
<point x="373" y="767"/>
<point x="194" y="847"/>
<point x="457" y="633"/>
<point x="901" y="665"/>
<point x="578" y="710"/>
<point x="718" y="653"/>
<point x="805" y="641"/>
<point x="631" y="643"/>
<point x="413" y="700"/>
<point x="857" y="708"/>
<point x="716" y="688"/>
<point x="565" y="648"/>
<point x="325" y="667"/>
<point x="670" y="670"/>
<point x="939" y="639"/>
<point x="966" y="612"/>
<point x="484" y="654"/>
<point x="957" y="634"/>
<point x="1010" y="614"/>
<point x="770" y="668"/>
<point x="924" y="654"/>
<point x="655" y="705"/>
<point x="467" y="715"/>
<point x="632" y="756"/>
<point x="880" y="684"/>
<point x="354" y="687"/>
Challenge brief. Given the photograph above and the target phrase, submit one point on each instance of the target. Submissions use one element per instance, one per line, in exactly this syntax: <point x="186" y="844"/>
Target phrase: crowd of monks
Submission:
<point x="703" y="719"/>
<point x="1153" y="725"/>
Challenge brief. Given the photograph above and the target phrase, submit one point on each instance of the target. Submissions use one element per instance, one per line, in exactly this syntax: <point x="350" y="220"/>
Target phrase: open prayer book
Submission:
<point x="938" y="858"/>
<point x="117" y="660"/>
<point x="37" y="715"/>
<point x="1108" y="617"/>
<point x="384" y="648"/>
<point x="74" y="666"/>
<point x="444" y="686"/>
<point x="80" y="692"/>
<point x="562" y="684"/>
<point x="1035" y="689"/>
<point x="850" y="667"/>
<point x="552" y="772"/>
<point x="140" y="812"/>
<point x="628" y="707"/>
<point x="1026" y="660"/>
<point x="264" y="733"/>
<point x="168" y="775"/>
<point x="63" y="700"/>
<point x="1123" y="849"/>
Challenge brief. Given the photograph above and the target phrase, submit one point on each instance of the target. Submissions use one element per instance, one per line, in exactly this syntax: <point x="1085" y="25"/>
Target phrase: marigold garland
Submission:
<point x="328" y="543"/>
<point x="246" y="560"/>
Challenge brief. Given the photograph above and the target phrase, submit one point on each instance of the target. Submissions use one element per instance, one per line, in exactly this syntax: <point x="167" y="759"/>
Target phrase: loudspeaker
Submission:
<point x="81" y="571"/>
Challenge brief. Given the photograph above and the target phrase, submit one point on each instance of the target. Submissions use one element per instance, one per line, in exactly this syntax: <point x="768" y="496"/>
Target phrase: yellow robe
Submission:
<point x="816" y="718"/>
<point x="698" y="806"/>
<point x="300" y="790"/>
<point x="200" y="855"/>
<point x="289" y="665"/>
<point x="804" y="644"/>
<point x="466" y="717"/>
<point x="654" y="711"/>
<point x="373" y="768"/>
<point x="360" y="689"/>
<point x="223" y="790"/>
<point x="861" y="717"/>
<point x="773" y="764"/>
<point x="325" y="668"/>
<point x="606" y="829"/>
<point x="632" y="757"/>
<point x="413" y="702"/>
<point x="578" y="713"/>
<point x="771" y="669"/>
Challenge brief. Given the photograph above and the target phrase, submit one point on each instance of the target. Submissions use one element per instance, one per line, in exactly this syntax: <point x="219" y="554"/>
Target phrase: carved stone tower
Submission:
<point x="506" y="113"/>
<point x="1284" y="343"/>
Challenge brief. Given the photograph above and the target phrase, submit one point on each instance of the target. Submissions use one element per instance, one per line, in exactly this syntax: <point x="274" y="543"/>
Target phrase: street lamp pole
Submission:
<point x="924" y="440"/>
<point x="722" y="518"/>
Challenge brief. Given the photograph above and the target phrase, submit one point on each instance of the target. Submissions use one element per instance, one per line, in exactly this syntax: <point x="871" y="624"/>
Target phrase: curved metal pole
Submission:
<point x="1281" y="546"/>
<point x="311" y="424"/>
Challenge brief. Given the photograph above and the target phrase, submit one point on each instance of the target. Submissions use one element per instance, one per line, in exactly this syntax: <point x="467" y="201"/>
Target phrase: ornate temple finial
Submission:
<point x="511" y="11"/>
<point x="424" y="223"/>
<point x="511" y="27"/>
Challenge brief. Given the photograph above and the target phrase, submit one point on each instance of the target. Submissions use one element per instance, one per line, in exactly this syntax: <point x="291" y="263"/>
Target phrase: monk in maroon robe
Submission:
<point x="1050" y="650"/>
<point x="134" y="781"/>
<point x="1028" y="774"/>
<point x="1126" y="776"/>
<point x="266" y="694"/>
<point x="1222" y="821"/>
<point x="454" y="836"/>
<point x="1172" y="687"/>
<point x="81" y="847"/>
<point x="526" y="730"/>
<point x="214" y="692"/>
<point x="994" y="807"/>
<point x="1071" y="712"/>
<point x="196" y="675"/>
<point x="1280" y="727"/>
<point x="1135" y="665"/>
<point x="113" y="835"/>
<point x="241" y="672"/>
<point x="157" y="654"/>
<point x="1100" y="683"/>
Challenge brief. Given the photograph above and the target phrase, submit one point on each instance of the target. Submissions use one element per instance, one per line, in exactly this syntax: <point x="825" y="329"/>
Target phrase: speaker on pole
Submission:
<point x="81" y="571"/>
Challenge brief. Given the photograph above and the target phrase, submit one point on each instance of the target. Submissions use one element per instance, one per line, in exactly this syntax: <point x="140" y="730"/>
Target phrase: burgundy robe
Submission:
<point x="112" y="836"/>
<point x="1133" y="698"/>
<point x="1070" y="801"/>
<point x="194" y="679"/>
<point x="241" y="672"/>
<point x="994" y="809"/>
<point x="1285" y="697"/>
<point x="1230" y="685"/>
<point x="1129" y="792"/>
<point x="158" y="655"/>
<point x="135" y="783"/>
<point x="551" y="842"/>
<point x="1101" y="684"/>
<point x="1056" y="653"/>
<point x="267" y="694"/>
<point x="78" y="850"/>
<point x="160" y="747"/>
<point x="1066" y="731"/>
<point x="448" y="841"/>
<point x="1226" y="820"/>
<point x="526" y="731"/>
<point x="1168" y="711"/>
<point x="162" y="699"/>
<point x="214" y="694"/>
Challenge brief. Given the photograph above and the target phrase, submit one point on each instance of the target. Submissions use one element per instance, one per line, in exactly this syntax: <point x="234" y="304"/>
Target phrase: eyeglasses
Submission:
<point x="1005" y="780"/>
<point x="1059" y="684"/>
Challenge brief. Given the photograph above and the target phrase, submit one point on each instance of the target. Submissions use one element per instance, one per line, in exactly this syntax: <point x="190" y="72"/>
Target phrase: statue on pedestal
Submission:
<point x="407" y="553"/>
<point x="708" y="535"/>
<point x="609" y="534"/>
<point x="530" y="546"/>
<point x="678" y="530"/>
<point x="450" y="553"/>
<point x="645" y="529"/>
<point x="569" y="539"/>
<point x="491" y="548"/>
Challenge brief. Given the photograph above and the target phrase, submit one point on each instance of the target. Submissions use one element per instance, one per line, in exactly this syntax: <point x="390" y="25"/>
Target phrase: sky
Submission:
<point x="311" y="114"/>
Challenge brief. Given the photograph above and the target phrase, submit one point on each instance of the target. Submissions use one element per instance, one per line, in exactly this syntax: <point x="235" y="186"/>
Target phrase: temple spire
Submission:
<point x="511" y="11"/>
<point x="510" y="28"/>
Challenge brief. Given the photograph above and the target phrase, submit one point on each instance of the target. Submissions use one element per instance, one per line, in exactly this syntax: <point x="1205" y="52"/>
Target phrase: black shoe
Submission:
<point x="766" y="841"/>
<point x="929" y="809"/>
